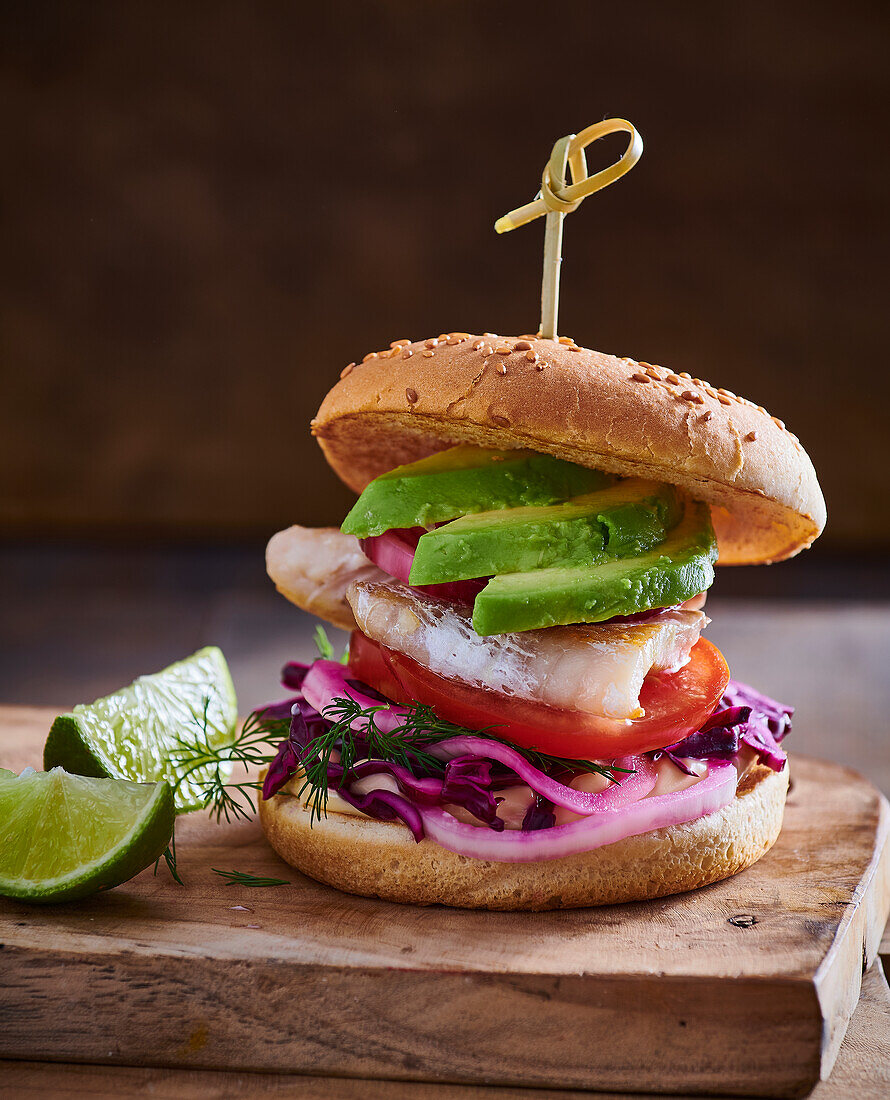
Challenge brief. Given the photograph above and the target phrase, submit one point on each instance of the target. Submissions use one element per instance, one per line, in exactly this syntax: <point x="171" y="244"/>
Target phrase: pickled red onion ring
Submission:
<point x="328" y="680"/>
<point x="393" y="552"/>
<point x="635" y="784"/>
<point x="597" y="830"/>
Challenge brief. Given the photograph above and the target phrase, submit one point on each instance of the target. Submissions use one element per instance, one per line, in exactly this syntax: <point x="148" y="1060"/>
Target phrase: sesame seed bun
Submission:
<point x="382" y="859"/>
<point x="596" y="410"/>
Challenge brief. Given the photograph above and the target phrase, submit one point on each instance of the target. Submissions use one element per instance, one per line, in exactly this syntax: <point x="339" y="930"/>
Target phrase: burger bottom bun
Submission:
<point x="382" y="859"/>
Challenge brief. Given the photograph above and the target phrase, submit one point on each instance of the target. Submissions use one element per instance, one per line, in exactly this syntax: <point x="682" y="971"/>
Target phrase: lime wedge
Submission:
<point x="65" y="836"/>
<point x="136" y="733"/>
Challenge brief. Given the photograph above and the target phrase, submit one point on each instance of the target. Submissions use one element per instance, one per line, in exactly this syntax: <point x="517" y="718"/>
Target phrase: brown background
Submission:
<point x="209" y="208"/>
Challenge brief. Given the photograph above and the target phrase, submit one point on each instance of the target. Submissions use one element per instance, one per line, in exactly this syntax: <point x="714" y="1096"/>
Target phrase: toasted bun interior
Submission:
<point x="382" y="859"/>
<point x="619" y="415"/>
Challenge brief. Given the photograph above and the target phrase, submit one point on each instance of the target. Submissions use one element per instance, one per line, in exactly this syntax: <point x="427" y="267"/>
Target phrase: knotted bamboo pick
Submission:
<point x="555" y="200"/>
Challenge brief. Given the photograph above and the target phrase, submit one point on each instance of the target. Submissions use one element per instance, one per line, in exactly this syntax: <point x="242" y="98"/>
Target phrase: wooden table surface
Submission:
<point x="80" y="630"/>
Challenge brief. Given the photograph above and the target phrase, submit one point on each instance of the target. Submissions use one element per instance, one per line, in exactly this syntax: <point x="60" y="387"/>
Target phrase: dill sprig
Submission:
<point x="402" y="746"/>
<point x="405" y="745"/>
<point x="244" y="878"/>
<point x="225" y="798"/>
<point x="353" y="732"/>
<point x="169" y="857"/>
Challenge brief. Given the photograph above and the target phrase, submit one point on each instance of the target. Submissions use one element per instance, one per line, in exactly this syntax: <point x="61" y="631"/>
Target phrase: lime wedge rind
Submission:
<point x="65" y="837"/>
<point x="138" y="732"/>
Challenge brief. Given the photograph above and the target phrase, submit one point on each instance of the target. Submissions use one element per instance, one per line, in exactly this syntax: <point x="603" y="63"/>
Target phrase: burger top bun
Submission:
<point x="596" y="410"/>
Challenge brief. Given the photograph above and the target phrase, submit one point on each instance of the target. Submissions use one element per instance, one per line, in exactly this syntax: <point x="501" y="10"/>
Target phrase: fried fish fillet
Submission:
<point x="597" y="668"/>
<point x="313" y="566"/>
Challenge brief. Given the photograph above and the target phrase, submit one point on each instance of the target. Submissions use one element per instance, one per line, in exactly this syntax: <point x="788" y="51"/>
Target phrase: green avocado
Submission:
<point x="464" y="480"/>
<point x="625" y="519"/>
<point x="669" y="573"/>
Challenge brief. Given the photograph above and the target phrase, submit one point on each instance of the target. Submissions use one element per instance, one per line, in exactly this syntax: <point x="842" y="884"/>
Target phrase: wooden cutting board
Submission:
<point x="745" y="987"/>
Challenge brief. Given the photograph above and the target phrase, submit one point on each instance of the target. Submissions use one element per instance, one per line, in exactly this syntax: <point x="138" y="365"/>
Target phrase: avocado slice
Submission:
<point x="625" y="519"/>
<point x="671" y="572"/>
<point x="463" y="480"/>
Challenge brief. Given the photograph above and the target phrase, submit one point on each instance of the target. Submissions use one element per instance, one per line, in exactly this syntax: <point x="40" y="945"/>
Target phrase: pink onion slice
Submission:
<point x="628" y="788"/>
<point x="707" y="796"/>
<point x="393" y="552"/>
<point x="329" y="680"/>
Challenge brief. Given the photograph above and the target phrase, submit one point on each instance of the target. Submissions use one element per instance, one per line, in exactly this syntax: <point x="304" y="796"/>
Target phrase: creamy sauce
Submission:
<point x="515" y="804"/>
<point x="517" y="800"/>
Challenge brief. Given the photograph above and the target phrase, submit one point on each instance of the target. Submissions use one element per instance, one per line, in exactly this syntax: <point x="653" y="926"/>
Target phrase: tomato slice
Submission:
<point x="675" y="704"/>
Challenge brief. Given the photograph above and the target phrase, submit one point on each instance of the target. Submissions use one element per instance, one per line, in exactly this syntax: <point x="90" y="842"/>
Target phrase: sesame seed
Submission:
<point x="522" y="345"/>
<point x="574" y="347"/>
<point x="348" y="369"/>
<point x="540" y="366"/>
<point x="313" y="422"/>
<point x="528" y="336"/>
<point x="503" y="350"/>
<point x="779" y="423"/>
<point x="407" y="353"/>
<point x="693" y="398"/>
<point x="502" y="369"/>
<point x="478" y="344"/>
<point x="750" y="437"/>
<point x="454" y="339"/>
<point x="638" y="377"/>
<point x="431" y="343"/>
<point x="487" y="349"/>
<point x="566" y="340"/>
<point x="500" y="420"/>
<point x="723" y="400"/>
<point x="697" y="382"/>
<point x="491" y="335"/>
<point x="683" y="374"/>
<point x="370" y="355"/>
<point x="707" y="415"/>
<point x="399" y="343"/>
<point x="443" y="336"/>
<point x="652" y="371"/>
<point x="411" y="395"/>
<point x="673" y="380"/>
<point x="532" y="356"/>
<point x="428" y="354"/>
<point x="726" y="393"/>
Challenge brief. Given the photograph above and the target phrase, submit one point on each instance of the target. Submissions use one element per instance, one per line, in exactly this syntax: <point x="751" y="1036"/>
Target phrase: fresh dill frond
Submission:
<point x="407" y="745"/>
<point x="223" y="797"/>
<point x="169" y="857"/>
<point x="244" y="878"/>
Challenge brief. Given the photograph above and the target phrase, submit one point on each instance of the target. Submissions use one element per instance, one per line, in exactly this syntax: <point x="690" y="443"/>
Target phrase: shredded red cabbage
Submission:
<point x="744" y="716"/>
<point x="539" y="815"/>
<point x="293" y="674"/>
<point x="386" y="806"/>
<point x="471" y="778"/>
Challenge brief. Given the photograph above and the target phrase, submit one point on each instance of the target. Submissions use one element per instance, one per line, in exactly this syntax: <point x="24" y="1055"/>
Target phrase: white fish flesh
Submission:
<point x="597" y="668"/>
<point x="314" y="566"/>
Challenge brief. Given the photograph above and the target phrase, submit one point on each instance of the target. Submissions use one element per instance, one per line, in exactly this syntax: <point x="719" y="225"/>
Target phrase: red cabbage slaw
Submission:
<point x="626" y="808"/>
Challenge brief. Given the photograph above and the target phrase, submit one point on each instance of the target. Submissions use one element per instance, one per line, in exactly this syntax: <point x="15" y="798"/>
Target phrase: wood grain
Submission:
<point x="862" y="1069"/>
<point x="301" y="978"/>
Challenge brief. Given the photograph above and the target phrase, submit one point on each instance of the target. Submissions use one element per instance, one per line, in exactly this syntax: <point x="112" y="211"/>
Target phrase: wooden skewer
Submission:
<point x="556" y="199"/>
